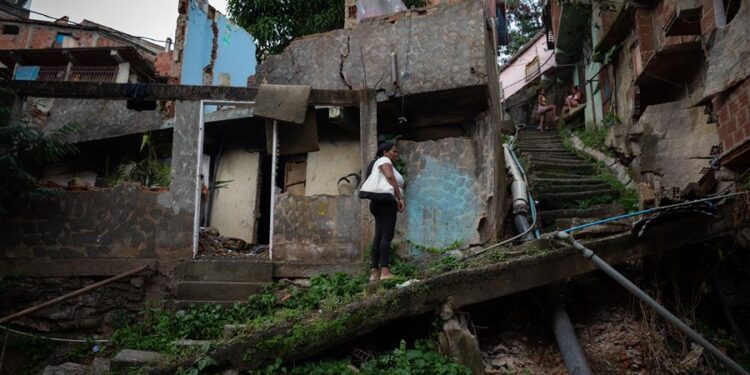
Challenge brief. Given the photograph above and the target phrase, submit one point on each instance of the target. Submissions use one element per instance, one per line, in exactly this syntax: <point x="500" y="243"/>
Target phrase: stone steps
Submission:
<point x="217" y="291"/>
<point x="541" y="182"/>
<point x="573" y="199"/>
<point x="548" y="217"/>
<point x="238" y="270"/>
<point x="573" y="187"/>
<point x="220" y="280"/>
<point x="563" y="167"/>
<point x="556" y="175"/>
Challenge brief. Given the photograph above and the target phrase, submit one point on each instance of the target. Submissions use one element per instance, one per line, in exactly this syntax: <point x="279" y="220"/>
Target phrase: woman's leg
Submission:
<point x="388" y="228"/>
<point x="377" y="238"/>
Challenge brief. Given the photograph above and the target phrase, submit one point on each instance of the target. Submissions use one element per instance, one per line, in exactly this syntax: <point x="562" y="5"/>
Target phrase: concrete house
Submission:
<point x="649" y="69"/>
<point x="276" y="187"/>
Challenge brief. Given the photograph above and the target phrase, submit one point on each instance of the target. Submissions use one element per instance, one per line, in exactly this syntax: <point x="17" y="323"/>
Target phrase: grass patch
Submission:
<point x="421" y="359"/>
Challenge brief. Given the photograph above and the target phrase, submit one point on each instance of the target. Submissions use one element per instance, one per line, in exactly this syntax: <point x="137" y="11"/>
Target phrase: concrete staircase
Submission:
<point x="221" y="280"/>
<point x="567" y="187"/>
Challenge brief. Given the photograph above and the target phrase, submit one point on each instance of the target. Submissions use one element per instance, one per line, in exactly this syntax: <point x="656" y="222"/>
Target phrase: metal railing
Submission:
<point x="107" y="73"/>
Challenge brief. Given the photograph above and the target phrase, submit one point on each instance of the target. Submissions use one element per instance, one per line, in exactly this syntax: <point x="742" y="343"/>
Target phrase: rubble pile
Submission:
<point x="212" y="244"/>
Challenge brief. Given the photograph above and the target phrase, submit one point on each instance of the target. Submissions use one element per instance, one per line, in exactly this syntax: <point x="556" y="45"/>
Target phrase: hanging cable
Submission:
<point x="58" y="339"/>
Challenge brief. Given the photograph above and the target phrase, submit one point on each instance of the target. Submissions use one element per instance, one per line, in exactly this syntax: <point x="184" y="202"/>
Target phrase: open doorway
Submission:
<point x="233" y="213"/>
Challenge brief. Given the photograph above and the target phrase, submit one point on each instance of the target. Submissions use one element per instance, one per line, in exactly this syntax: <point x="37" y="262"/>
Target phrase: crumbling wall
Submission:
<point x="446" y="193"/>
<point x="122" y="222"/>
<point x="320" y="228"/>
<point x="96" y="119"/>
<point x="437" y="49"/>
<point x="212" y="50"/>
<point x="672" y="156"/>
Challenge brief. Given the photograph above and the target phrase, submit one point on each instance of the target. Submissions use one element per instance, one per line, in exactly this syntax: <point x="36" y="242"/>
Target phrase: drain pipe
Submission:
<point x="632" y="288"/>
<point x="519" y="194"/>
<point x="570" y="349"/>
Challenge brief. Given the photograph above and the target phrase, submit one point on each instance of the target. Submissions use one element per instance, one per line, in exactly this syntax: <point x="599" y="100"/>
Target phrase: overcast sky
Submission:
<point x="151" y="18"/>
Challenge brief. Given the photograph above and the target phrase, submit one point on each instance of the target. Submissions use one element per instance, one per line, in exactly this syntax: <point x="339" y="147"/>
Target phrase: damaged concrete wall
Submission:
<point x="235" y="207"/>
<point x="442" y="49"/>
<point x="445" y="195"/>
<point x="96" y="119"/>
<point x="337" y="158"/>
<point x="214" y="51"/>
<point x="122" y="222"/>
<point x="317" y="229"/>
<point x="674" y="146"/>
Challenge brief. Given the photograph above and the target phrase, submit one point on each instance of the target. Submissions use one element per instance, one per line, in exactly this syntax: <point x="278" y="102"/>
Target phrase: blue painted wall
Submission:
<point x="235" y="53"/>
<point x="442" y="205"/>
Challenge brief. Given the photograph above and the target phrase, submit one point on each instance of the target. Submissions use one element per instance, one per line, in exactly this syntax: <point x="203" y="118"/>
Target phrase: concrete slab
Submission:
<point x="236" y="270"/>
<point x="217" y="290"/>
<point x="129" y="359"/>
<point x="67" y="368"/>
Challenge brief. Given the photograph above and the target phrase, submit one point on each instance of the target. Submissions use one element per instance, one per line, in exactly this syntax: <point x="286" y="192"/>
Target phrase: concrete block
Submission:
<point x="217" y="290"/>
<point x="67" y="368"/>
<point x="100" y="366"/>
<point x="227" y="270"/>
<point x="128" y="359"/>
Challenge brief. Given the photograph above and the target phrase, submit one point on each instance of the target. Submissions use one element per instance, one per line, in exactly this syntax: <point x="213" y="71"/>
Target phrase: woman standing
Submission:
<point x="543" y="108"/>
<point x="385" y="211"/>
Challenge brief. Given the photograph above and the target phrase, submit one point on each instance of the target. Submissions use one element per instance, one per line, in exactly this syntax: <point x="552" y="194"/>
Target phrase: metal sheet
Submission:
<point x="282" y="102"/>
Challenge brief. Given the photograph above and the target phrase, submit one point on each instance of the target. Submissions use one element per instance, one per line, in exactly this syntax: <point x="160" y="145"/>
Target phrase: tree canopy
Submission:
<point x="524" y="21"/>
<point x="274" y="23"/>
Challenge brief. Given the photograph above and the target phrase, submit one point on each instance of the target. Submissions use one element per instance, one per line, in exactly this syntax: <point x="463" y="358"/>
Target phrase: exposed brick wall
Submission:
<point x="163" y="64"/>
<point x="644" y="27"/>
<point x="733" y="109"/>
<point x="43" y="36"/>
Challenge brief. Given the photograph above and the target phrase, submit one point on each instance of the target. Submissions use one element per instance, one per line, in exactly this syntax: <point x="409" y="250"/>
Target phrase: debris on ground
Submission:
<point x="213" y="244"/>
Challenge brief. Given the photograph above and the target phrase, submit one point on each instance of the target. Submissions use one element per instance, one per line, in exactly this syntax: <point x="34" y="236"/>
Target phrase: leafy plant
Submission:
<point x="524" y="21"/>
<point x="23" y="147"/>
<point x="147" y="169"/>
<point x="422" y="359"/>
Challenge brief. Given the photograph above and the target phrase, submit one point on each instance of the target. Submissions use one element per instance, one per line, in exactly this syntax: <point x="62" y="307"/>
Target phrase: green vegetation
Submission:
<point x="144" y="167"/>
<point x="455" y="245"/>
<point x="422" y="359"/>
<point x="594" y="138"/>
<point x="23" y="148"/>
<point x="524" y="21"/>
<point x="274" y="23"/>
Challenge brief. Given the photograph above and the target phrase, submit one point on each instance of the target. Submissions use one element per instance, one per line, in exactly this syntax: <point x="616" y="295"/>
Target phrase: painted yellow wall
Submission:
<point x="338" y="157"/>
<point x="234" y="207"/>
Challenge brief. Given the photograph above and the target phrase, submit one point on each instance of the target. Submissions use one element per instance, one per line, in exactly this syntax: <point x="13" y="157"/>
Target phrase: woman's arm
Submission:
<point x="387" y="170"/>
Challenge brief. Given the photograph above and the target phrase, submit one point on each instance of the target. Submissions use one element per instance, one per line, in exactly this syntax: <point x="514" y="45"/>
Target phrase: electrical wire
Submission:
<point x="81" y="25"/>
<point x="58" y="339"/>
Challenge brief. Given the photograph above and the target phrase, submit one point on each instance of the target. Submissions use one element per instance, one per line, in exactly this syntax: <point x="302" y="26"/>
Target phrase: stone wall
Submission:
<point x="437" y="49"/>
<point x="95" y="312"/>
<point x="113" y="227"/>
<point x="317" y="229"/>
<point x="446" y="194"/>
<point x="122" y="222"/>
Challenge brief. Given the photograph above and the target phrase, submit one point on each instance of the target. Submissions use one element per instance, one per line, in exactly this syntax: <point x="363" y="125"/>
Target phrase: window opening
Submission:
<point x="10" y="30"/>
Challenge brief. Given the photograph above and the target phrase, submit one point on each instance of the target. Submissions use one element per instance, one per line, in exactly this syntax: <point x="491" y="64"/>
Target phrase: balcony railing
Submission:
<point x="77" y="73"/>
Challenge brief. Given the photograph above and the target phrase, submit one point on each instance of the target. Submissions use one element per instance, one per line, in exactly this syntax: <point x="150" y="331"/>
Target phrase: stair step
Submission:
<point x="548" y="217"/>
<point x="570" y="168"/>
<point x="184" y="304"/>
<point x="562" y="188"/>
<point x="217" y="290"/>
<point x="562" y="163"/>
<point x="554" y="175"/>
<point x="545" y="149"/>
<point x="231" y="270"/>
<point x="549" y="201"/>
<point x="541" y="182"/>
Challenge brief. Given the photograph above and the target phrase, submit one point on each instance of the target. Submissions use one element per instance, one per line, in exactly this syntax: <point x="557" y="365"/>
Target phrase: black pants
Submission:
<point x="385" y="224"/>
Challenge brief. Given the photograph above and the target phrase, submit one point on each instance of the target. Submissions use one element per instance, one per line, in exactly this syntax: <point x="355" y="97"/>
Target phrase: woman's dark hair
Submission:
<point x="383" y="148"/>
